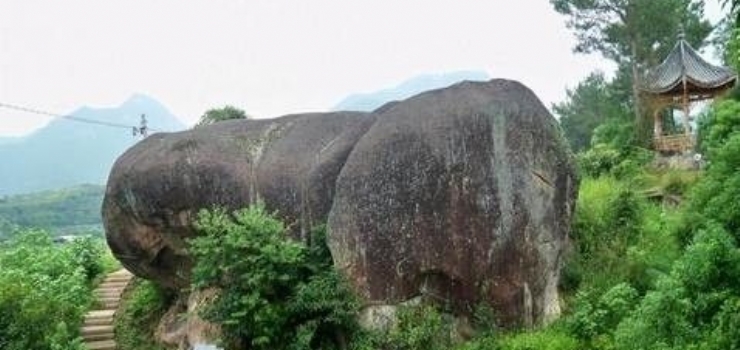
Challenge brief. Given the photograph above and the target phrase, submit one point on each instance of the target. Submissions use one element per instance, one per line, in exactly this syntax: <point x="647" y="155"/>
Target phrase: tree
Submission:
<point x="734" y="9"/>
<point x="216" y="115"/>
<point x="587" y="106"/>
<point x="635" y="34"/>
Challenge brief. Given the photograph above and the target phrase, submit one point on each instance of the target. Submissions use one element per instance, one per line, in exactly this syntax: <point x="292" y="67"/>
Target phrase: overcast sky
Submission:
<point x="269" y="57"/>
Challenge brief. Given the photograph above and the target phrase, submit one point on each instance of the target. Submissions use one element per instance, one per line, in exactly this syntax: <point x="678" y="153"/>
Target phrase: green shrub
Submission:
<point x="421" y="327"/>
<point x="595" y="315"/>
<point x="275" y="293"/>
<point x="416" y="327"/>
<point x="716" y="196"/>
<point x="690" y="306"/>
<point x="539" y="340"/>
<point x="142" y="306"/>
<point x="599" y="160"/>
<point x="618" y="237"/>
<point x="45" y="289"/>
<point x="718" y="126"/>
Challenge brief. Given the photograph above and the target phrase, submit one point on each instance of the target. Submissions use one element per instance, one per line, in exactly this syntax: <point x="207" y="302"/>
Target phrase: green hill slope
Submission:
<point x="70" y="210"/>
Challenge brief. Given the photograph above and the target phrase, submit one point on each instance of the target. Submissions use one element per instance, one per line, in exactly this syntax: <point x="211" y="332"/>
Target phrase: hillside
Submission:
<point x="66" y="153"/>
<point x="367" y="102"/>
<point x="64" y="211"/>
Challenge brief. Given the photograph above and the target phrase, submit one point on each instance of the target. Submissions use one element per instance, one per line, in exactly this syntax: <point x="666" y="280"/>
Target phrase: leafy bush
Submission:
<point x="420" y="327"/>
<point x="539" y="340"/>
<point x="616" y="133"/>
<point x="595" y="315"/>
<point x="142" y="306"/>
<point x="716" y="196"/>
<point x="605" y="159"/>
<point x="716" y="128"/>
<point x="619" y="237"/>
<point x="275" y="293"/>
<point x="45" y="290"/>
<point x="691" y="306"/>
<point x="599" y="160"/>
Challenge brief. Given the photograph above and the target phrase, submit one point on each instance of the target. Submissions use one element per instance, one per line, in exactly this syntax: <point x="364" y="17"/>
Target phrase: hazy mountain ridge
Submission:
<point x="367" y="102"/>
<point x="66" y="153"/>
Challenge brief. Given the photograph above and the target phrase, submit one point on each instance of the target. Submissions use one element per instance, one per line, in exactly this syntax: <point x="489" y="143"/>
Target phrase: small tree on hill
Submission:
<point x="215" y="115"/>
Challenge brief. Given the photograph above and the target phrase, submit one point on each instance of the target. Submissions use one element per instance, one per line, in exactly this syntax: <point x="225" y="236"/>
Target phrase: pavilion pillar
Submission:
<point x="657" y="124"/>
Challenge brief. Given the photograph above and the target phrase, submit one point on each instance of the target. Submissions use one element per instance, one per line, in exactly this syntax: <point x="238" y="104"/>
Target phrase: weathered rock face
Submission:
<point x="462" y="195"/>
<point x="157" y="187"/>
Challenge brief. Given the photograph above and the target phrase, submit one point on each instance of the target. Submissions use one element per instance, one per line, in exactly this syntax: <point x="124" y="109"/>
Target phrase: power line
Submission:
<point x="142" y="129"/>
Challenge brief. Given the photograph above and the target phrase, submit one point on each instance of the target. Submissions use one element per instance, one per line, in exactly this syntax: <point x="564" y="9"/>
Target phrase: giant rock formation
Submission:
<point x="462" y="195"/>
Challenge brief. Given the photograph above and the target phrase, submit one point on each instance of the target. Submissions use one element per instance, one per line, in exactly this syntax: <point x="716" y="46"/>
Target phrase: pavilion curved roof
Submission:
<point x="685" y="64"/>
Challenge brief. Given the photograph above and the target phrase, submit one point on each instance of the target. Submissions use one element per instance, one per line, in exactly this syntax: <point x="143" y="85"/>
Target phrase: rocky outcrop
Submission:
<point x="462" y="196"/>
<point x="157" y="187"/>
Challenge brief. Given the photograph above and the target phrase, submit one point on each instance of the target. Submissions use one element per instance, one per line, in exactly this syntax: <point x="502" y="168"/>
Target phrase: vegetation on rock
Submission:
<point x="216" y="115"/>
<point x="143" y="305"/>
<point x="274" y="293"/>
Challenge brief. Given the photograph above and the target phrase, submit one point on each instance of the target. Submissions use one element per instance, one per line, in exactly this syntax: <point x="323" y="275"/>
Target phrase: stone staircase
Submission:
<point x="97" y="331"/>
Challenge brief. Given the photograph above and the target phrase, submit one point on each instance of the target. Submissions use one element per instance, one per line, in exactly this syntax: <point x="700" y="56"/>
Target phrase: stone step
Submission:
<point x="98" y="337"/>
<point x="110" y="306"/>
<point x="117" y="279"/>
<point x="92" y="330"/>
<point x="100" y="314"/>
<point x="99" y="321"/>
<point x="113" y="284"/>
<point x="101" y="345"/>
<point x="98" y="328"/>
<point x="108" y="294"/>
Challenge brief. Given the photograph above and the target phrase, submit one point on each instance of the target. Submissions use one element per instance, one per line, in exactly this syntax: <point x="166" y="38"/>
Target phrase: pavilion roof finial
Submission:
<point x="681" y="32"/>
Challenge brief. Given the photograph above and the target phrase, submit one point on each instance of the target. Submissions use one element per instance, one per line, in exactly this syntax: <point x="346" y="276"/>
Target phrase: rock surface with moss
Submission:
<point x="461" y="194"/>
<point x="157" y="187"/>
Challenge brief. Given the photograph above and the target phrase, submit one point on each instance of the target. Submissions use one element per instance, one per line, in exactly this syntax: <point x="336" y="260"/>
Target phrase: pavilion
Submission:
<point x="683" y="78"/>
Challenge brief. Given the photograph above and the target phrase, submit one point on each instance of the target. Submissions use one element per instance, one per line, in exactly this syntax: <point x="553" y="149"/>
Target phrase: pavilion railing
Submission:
<point x="674" y="143"/>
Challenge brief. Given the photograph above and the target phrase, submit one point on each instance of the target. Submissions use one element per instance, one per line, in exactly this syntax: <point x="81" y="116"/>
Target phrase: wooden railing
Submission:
<point x="674" y="143"/>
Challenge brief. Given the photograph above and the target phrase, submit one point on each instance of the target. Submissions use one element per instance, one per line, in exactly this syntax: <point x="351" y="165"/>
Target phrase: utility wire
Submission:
<point x="71" y="117"/>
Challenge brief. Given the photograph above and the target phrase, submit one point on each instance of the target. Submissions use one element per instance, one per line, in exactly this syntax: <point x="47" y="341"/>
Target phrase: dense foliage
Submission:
<point x="274" y="293"/>
<point x="647" y="275"/>
<point x="142" y="306"/>
<point x="592" y="103"/>
<point x="635" y="35"/>
<point x="216" y="115"/>
<point x="60" y="212"/>
<point x="46" y="289"/>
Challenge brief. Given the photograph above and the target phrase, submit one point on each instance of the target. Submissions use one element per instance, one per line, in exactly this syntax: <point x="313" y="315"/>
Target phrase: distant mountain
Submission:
<point x="66" y="153"/>
<point x="367" y="102"/>
<point x="6" y="140"/>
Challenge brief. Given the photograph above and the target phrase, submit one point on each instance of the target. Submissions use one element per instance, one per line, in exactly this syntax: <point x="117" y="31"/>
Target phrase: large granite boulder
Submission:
<point x="461" y="195"/>
<point x="157" y="187"/>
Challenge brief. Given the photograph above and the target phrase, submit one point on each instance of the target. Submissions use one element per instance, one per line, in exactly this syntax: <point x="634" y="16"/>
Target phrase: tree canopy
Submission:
<point x="634" y="34"/>
<point x="624" y="31"/>
<point x="215" y="115"/>
<point x="589" y="105"/>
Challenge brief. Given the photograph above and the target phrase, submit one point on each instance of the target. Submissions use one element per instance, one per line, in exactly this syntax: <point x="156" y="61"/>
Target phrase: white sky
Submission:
<point x="269" y="57"/>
